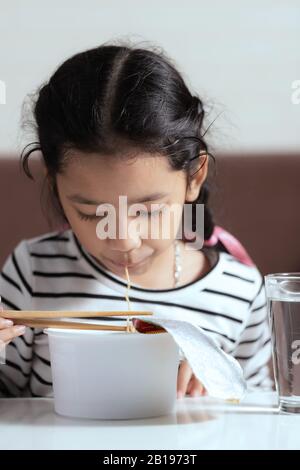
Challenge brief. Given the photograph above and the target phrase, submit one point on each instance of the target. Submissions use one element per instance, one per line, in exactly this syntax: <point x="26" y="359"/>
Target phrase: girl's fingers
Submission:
<point x="9" y="334"/>
<point x="4" y="323"/>
<point x="190" y="385"/>
<point x="183" y="378"/>
<point x="196" y="388"/>
<point x="193" y="383"/>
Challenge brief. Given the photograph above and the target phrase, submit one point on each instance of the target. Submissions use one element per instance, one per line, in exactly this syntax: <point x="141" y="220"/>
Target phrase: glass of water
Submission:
<point x="283" y="294"/>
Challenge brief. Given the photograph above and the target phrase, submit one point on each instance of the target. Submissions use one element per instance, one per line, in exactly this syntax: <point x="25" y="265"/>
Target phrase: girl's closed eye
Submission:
<point x="154" y="213"/>
<point x="139" y="213"/>
<point x="89" y="217"/>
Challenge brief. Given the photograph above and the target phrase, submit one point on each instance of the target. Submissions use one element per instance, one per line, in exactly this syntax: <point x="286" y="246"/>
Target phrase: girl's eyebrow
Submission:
<point x="147" y="198"/>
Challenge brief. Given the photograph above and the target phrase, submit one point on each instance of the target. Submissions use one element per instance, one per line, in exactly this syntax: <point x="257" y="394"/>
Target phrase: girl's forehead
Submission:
<point x="134" y="163"/>
<point x="95" y="174"/>
<point x="140" y="167"/>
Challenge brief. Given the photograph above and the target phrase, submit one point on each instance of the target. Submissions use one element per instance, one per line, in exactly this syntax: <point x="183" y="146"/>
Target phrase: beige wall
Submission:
<point x="241" y="56"/>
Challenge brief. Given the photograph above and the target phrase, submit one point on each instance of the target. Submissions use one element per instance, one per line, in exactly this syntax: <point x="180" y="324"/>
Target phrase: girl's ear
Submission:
<point x="45" y="172"/>
<point x="49" y="179"/>
<point x="197" y="179"/>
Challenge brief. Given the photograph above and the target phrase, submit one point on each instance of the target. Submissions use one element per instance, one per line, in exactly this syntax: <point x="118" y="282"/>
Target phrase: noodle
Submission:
<point x="128" y="287"/>
<point x="129" y="327"/>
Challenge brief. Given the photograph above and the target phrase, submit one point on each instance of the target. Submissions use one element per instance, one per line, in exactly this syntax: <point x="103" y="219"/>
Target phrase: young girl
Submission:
<point x="111" y="121"/>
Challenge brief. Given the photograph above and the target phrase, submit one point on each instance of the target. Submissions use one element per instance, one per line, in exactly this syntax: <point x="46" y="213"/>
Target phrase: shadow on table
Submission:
<point x="41" y="412"/>
<point x="192" y="410"/>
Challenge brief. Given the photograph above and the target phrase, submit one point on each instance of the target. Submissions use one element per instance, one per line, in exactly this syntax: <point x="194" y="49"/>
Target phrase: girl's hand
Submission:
<point x="7" y="329"/>
<point x="187" y="382"/>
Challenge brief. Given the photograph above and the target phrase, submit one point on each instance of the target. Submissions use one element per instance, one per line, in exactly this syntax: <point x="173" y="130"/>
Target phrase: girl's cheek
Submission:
<point x="85" y="231"/>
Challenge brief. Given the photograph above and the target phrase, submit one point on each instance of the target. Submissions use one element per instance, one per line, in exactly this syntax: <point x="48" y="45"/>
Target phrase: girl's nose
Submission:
<point x="125" y="241"/>
<point x="128" y="236"/>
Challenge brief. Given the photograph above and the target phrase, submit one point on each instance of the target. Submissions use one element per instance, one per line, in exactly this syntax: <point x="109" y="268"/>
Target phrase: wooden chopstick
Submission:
<point x="45" y="314"/>
<point x="67" y="325"/>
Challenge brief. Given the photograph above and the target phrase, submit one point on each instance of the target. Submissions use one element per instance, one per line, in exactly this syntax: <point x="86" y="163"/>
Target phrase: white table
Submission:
<point x="198" y="423"/>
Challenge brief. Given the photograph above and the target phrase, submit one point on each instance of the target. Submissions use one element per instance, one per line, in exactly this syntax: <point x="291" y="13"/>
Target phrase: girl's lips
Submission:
<point x="129" y="265"/>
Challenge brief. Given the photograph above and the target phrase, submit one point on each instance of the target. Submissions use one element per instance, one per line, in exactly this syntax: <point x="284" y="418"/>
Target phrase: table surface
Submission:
<point x="197" y="423"/>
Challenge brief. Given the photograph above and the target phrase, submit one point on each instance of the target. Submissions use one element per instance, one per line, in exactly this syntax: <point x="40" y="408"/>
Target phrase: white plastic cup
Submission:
<point x="109" y="375"/>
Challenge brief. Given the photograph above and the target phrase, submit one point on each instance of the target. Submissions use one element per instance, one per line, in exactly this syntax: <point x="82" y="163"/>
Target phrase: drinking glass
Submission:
<point x="283" y="296"/>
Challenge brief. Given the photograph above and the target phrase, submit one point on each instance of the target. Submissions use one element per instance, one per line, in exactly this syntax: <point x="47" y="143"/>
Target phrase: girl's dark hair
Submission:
<point x="114" y="99"/>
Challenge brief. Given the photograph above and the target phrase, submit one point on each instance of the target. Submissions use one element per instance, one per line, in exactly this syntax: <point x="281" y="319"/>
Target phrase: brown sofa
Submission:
<point x="253" y="196"/>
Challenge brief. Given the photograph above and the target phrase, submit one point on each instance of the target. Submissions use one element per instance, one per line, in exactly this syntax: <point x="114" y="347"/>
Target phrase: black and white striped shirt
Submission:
<point x="55" y="272"/>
